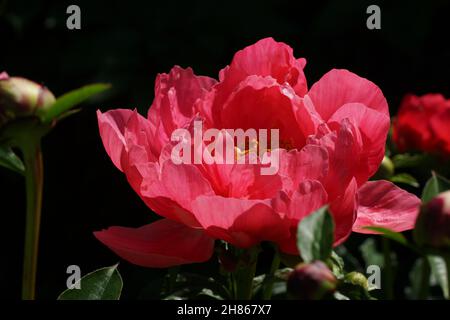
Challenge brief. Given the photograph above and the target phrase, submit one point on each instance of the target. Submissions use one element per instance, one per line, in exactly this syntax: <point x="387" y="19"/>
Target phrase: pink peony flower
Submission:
<point x="332" y="140"/>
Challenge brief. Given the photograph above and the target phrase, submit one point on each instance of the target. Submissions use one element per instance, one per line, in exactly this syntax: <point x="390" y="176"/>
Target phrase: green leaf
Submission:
<point x="70" y="99"/>
<point x="406" y="160"/>
<point x="406" y="179"/>
<point x="102" y="284"/>
<point x="10" y="160"/>
<point x="315" y="235"/>
<point x="435" y="185"/>
<point x="439" y="272"/>
<point x="370" y="253"/>
<point x="337" y="265"/>
<point x="392" y="235"/>
<point x="419" y="279"/>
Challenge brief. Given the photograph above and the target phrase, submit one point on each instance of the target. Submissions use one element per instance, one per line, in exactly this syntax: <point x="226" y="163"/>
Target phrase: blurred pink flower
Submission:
<point x="422" y="124"/>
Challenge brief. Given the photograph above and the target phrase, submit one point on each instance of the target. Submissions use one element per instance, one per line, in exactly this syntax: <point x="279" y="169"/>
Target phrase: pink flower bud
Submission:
<point x="312" y="281"/>
<point x="20" y="97"/>
<point x="433" y="223"/>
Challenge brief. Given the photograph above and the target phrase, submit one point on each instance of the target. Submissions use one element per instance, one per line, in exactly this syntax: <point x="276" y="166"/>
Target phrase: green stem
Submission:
<point x="243" y="276"/>
<point x="232" y="286"/>
<point x="270" y="278"/>
<point x="34" y="182"/>
<point x="447" y="267"/>
<point x="424" y="279"/>
<point x="389" y="283"/>
<point x="172" y="275"/>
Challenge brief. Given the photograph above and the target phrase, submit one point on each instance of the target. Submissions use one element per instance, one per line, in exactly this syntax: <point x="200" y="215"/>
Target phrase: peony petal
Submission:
<point x="383" y="204"/>
<point x="112" y="127"/>
<point x="161" y="244"/>
<point x="373" y="127"/>
<point x="440" y="124"/>
<point x="240" y="222"/>
<point x="261" y="103"/>
<point x="175" y="96"/>
<point x="184" y="183"/>
<point x="344" y="150"/>
<point x="411" y="130"/>
<point x="343" y="210"/>
<point x="267" y="58"/>
<point x="339" y="87"/>
<point x="168" y="189"/>
<point x="311" y="162"/>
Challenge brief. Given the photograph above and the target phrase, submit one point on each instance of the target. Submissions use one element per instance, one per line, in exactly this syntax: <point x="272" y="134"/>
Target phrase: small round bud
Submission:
<point x="357" y="279"/>
<point x="433" y="223"/>
<point x="20" y="97"/>
<point x="312" y="281"/>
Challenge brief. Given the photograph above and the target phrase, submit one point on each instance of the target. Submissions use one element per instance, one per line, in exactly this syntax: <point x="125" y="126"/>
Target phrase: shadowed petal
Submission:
<point x="161" y="244"/>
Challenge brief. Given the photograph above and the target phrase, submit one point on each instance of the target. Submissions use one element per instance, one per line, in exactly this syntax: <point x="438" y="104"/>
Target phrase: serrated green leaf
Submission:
<point x="315" y="235"/>
<point x="70" y="99"/>
<point x="392" y="235"/>
<point x="435" y="185"/>
<point x="10" y="160"/>
<point x="406" y="179"/>
<point x="102" y="284"/>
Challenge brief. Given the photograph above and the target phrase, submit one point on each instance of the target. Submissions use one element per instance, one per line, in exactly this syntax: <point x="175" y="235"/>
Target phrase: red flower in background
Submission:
<point x="332" y="140"/>
<point x="423" y="124"/>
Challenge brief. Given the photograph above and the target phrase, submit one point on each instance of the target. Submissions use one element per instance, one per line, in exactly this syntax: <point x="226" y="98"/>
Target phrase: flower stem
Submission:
<point x="447" y="267"/>
<point x="270" y="278"/>
<point x="244" y="274"/>
<point x="389" y="283"/>
<point x="34" y="182"/>
<point x="424" y="279"/>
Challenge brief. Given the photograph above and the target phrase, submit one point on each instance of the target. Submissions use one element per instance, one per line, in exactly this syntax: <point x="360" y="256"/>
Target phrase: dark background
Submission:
<point x="127" y="43"/>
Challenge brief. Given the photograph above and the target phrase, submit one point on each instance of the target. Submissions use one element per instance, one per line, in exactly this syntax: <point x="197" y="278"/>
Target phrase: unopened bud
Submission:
<point x="357" y="279"/>
<point x="312" y="281"/>
<point x="433" y="222"/>
<point x="20" y="97"/>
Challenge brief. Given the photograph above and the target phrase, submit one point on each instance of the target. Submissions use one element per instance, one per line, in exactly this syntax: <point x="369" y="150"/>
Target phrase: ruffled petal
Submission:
<point x="240" y="222"/>
<point x="339" y="87"/>
<point x="267" y="58"/>
<point x="373" y="127"/>
<point x="175" y="97"/>
<point x="112" y="128"/>
<point x="262" y="103"/>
